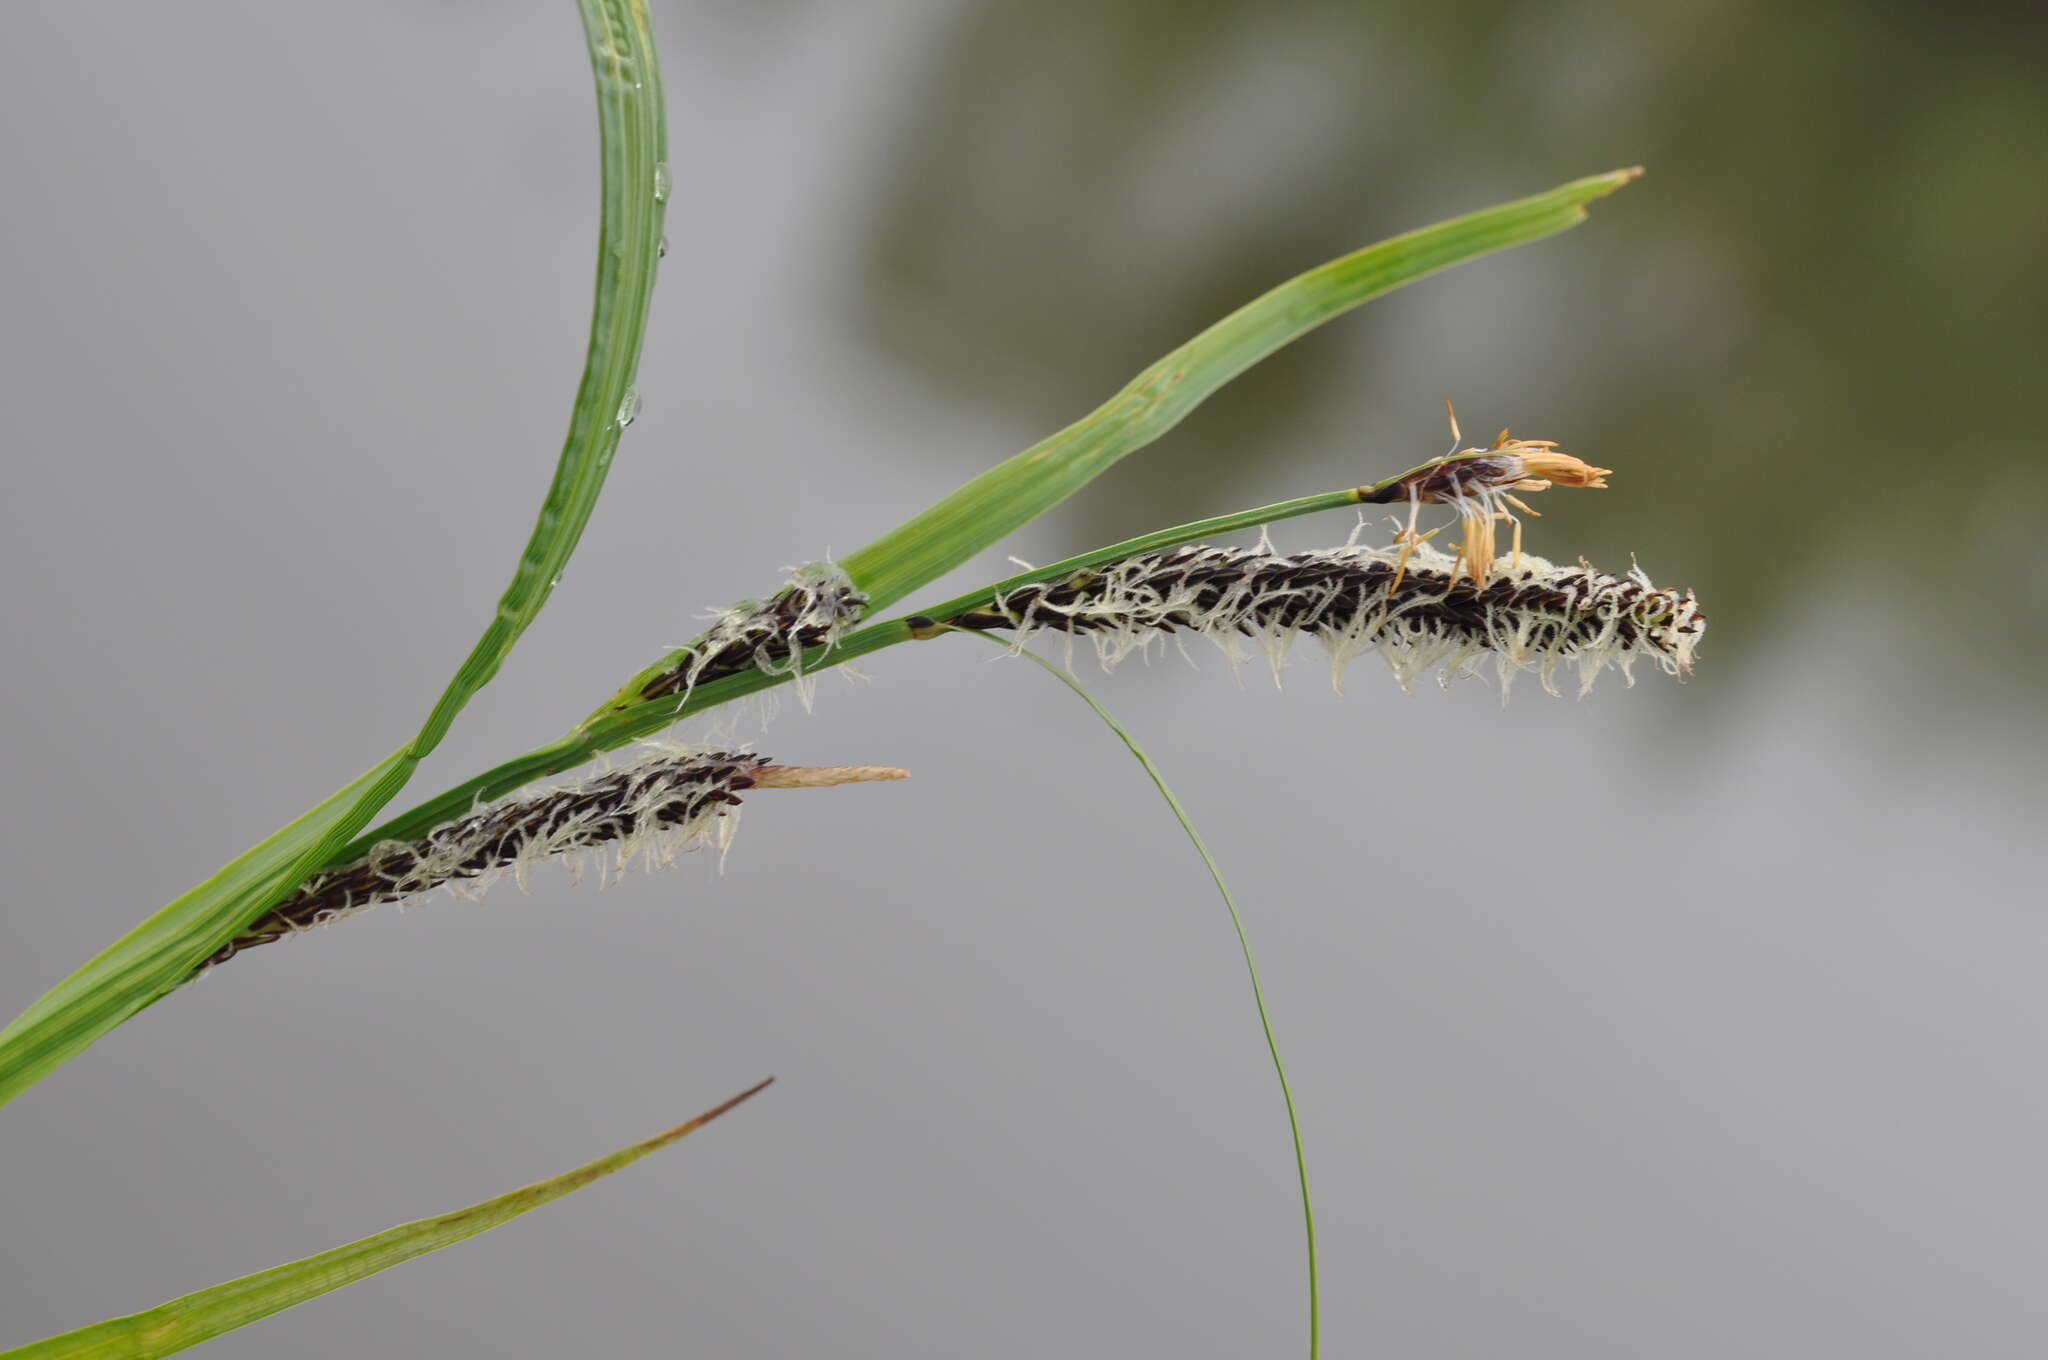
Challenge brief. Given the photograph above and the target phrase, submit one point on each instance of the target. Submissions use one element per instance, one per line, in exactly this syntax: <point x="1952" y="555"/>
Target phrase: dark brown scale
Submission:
<point x="390" y="871"/>
<point x="772" y="632"/>
<point x="1452" y="479"/>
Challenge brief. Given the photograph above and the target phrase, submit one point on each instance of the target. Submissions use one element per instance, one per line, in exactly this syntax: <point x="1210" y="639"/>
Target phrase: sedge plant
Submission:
<point x="1413" y="603"/>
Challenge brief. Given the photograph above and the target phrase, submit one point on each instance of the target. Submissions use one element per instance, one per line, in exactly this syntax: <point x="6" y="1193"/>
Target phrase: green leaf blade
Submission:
<point x="633" y="145"/>
<point x="1013" y="493"/>
<point x="201" y="1316"/>
<point x="162" y="952"/>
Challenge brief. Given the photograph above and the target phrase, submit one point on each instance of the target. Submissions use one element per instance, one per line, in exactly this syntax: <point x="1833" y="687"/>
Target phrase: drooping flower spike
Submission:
<point x="645" y="813"/>
<point x="1418" y="608"/>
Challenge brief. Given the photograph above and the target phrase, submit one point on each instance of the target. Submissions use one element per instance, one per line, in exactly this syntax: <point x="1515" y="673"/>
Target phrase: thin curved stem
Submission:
<point x="1244" y="942"/>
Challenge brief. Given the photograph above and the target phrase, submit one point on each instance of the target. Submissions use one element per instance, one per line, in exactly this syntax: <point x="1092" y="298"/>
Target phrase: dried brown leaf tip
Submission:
<point x="824" y="776"/>
<point x="1479" y="483"/>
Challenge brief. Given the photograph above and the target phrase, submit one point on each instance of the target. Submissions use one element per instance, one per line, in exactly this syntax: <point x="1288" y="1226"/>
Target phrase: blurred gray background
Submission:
<point x="1690" y="1020"/>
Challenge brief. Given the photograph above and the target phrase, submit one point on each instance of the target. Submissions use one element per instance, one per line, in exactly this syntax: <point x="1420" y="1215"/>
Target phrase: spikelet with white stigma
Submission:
<point x="1418" y="608"/>
<point x="644" y="814"/>
<point x="638" y="815"/>
<point x="814" y="608"/>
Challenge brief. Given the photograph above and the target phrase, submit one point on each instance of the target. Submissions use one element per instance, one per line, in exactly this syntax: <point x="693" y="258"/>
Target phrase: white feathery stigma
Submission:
<point x="1414" y="606"/>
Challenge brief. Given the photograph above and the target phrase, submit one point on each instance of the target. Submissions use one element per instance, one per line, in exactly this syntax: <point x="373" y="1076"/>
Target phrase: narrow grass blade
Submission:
<point x="1015" y="492"/>
<point x="207" y="1314"/>
<point x="162" y="951"/>
<point x="1244" y="944"/>
<point x="633" y="142"/>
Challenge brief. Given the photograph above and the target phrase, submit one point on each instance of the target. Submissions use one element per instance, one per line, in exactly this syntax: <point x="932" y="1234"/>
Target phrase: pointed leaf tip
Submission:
<point x="200" y="1316"/>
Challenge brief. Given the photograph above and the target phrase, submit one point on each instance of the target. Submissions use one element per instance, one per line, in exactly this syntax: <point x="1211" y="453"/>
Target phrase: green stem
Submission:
<point x="607" y="732"/>
<point x="1244" y="943"/>
<point x="616" y="724"/>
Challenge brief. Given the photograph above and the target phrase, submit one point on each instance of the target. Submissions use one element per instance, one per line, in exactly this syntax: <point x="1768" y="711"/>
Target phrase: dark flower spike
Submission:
<point x="1418" y="608"/>
<point x="643" y="814"/>
<point x="814" y="608"/>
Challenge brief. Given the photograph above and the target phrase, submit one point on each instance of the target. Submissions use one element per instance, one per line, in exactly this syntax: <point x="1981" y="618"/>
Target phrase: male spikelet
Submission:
<point x="1479" y="483"/>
